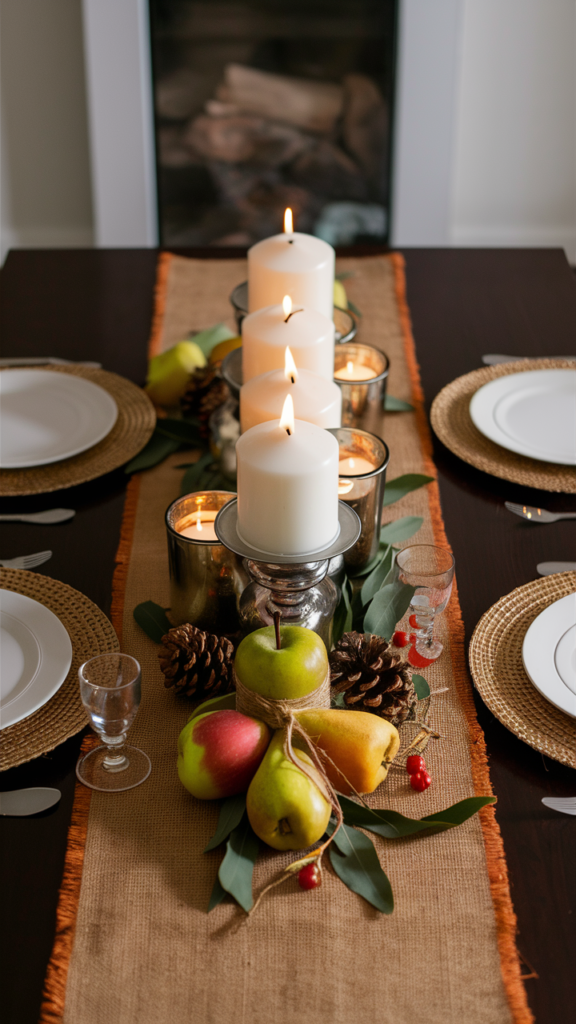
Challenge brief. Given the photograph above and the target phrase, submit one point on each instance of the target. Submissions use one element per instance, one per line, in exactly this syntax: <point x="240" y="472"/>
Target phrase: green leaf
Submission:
<point x="396" y="489"/>
<point x="183" y="431"/>
<point x="158" y="448"/>
<point x="421" y="687"/>
<point x="344" y="275"/>
<point x="387" y="608"/>
<point x="212" y="336"/>
<point x="392" y="825"/>
<point x="400" y="529"/>
<point x="152" y="618"/>
<point x="237" y="868"/>
<point x="372" y="564"/>
<point x="195" y="473"/>
<point x="337" y="701"/>
<point x="356" y="863"/>
<point x="392" y="404"/>
<point x="342" y="622"/>
<point x="374" y="581"/>
<point x="231" y="813"/>
<point x="354" y="308"/>
<point x="217" y="895"/>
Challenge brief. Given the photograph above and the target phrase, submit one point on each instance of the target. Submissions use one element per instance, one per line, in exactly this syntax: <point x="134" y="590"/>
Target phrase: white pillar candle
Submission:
<point x="315" y="399"/>
<point x="287" y="487"/>
<point x="267" y="332"/>
<point x="355" y="371"/>
<point x="294" y="264"/>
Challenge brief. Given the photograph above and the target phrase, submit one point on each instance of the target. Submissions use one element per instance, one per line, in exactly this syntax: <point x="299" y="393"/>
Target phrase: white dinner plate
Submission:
<point x="532" y="413"/>
<point x="35" y="656"/>
<point x="549" y="654"/>
<point x="46" y="417"/>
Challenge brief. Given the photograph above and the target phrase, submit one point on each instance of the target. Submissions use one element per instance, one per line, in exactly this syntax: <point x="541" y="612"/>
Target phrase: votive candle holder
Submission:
<point x="362" y="491"/>
<point x="363" y="399"/>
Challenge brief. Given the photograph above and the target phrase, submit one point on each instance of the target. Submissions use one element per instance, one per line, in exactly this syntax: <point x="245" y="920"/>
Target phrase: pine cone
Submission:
<point x="205" y="392"/>
<point x="198" y="664"/>
<point x="372" y="677"/>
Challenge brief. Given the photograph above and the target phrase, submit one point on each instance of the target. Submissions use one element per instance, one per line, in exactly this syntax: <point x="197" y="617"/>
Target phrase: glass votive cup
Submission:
<point x="362" y="399"/>
<point x="344" y="320"/>
<point x="206" y="579"/>
<point x="364" y="460"/>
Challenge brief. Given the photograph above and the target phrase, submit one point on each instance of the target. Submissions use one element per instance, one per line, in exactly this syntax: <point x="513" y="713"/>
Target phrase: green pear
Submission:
<point x="169" y="373"/>
<point x="285" y="808"/>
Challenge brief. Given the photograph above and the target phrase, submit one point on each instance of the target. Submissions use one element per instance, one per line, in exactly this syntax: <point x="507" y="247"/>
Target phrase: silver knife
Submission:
<point x="18" y="803"/>
<point x="495" y="360"/>
<point x="45" y="361"/>
<point x="547" y="568"/>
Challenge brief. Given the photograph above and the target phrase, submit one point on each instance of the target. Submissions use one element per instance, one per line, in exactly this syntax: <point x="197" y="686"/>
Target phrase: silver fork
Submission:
<point x="26" y="561"/>
<point x="537" y="515"/>
<point x="564" y="804"/>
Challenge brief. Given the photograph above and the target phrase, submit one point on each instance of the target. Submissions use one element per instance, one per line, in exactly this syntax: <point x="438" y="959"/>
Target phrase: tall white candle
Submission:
<point x="287" y="487"/>
<point x="316" y="399"/>
<point x="294" y="264"/>
<point x="267" y="332"/>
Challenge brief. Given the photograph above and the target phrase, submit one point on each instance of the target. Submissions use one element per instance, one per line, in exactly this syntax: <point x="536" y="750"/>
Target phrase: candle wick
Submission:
<point x="292" y="379"/>
<point x="290" y="241"/>
<point x="292" y="314"/>
<point x="288" y="431"/>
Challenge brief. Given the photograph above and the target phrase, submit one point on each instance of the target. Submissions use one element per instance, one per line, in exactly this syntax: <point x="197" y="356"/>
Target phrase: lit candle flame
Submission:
<point x="349" y="366"/>
<point x="290" y="371"/>
<point x="287" y="417"/>
<point x="199" y="521"/>
<point x="287" y="306"/>
<point x="288" y="222"/>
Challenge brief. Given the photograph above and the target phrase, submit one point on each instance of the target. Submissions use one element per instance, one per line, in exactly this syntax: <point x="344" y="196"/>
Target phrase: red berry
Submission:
<point x="415" y="763"/>
<point x="420" y="781"/>
<point x="309" y="877"/>
<point x="400" y="639"/>
<point x="417" y="661"/>
<point x="413" y="622"/>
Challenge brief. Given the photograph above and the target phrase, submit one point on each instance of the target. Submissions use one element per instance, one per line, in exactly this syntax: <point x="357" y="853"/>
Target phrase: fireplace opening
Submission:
<point x="264" y="104"/>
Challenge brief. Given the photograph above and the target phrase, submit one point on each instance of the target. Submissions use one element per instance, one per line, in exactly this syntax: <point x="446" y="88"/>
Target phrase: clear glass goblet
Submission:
<point x="430" y="570"/>
<point x="110" y="691"/>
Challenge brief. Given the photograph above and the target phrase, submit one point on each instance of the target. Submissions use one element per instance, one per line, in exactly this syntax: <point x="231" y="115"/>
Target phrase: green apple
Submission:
<point x="219" y="753"/>
<point x="285" y="808"/>
<point x="297" y="668"/>
<point x="169" y="373"/>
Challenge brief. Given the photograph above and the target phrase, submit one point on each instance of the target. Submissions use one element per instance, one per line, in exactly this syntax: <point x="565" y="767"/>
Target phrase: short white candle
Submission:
<point x="316" y="399"/>
<point x="355" y="371"/>
<point x="287" y="487"/>
<point x="198" y="526"/>
<point x="294" y="264"/>
<point x="267" y="332"/>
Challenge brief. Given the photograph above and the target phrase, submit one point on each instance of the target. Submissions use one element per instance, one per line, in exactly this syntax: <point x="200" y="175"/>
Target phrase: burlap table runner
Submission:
<point x="135" y="944"/>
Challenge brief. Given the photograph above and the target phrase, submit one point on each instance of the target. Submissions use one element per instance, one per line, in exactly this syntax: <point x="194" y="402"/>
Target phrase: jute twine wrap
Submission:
<point x="499" y="675"/>
<point x="451" y="422"/>
<point x="132" y="430"/>
<point x="63" y="715"/>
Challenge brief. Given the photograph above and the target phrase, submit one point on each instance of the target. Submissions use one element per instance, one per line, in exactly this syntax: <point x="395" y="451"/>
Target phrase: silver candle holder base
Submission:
<point x="296" y="586"/>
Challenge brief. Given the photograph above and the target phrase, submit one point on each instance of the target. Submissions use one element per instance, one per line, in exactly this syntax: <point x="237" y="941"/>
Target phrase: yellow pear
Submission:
<point x="356" y="741"/>
<point x="285" y="808"/>
<point x="169" y="373"/>
<point x="340" y="297"/>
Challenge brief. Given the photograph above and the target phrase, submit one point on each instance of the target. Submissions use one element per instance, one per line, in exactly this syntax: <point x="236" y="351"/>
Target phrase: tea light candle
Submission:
<point x="354" y="465"/>
<point x="198" y="526"/>
<point x="315" y="399"/>
<point x="362" y="462"/>
<point x="267" y="332"/>
<point x="287" y="486"/>
<point x="295" y="264"/>
<point x="355" y="371"/>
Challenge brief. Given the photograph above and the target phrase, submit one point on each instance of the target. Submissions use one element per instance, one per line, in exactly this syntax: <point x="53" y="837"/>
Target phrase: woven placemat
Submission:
<point x="451" y="422"/>
<point x="496" y="665"/>
<point x="91" y="633"/>
<point x="132" y="430"/>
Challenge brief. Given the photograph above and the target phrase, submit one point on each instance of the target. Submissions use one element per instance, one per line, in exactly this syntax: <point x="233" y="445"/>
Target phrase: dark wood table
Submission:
<point x="97" y="305"/>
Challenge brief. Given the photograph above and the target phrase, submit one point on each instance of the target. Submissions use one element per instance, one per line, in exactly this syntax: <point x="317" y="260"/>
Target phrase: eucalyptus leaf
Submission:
<point x="354" y="308"/>
<point x="212" y="336"/>
<point x="372" y="564"/>
<point x="387" y="608"/>
<point x="392" y="825"/>
<point x="195" y="472"/>
<point x="183" y="431"/>
<point x="237" y="868"/>
<point x="158" y="448"/>
<point x="400" y="529"/>
<point x="356" y="863"/>
<point x="217" y="895"/>
<point x="342" y="622"/>
<point x="231" y="813"/>
<point x="402" y="485"/>
<point x="392" y="404"/>
<point x="375" y="580"/>
<point x="152" y="618"/>
<point x="357" y="611"/>
<point x="421" y="687"/>
<point x="337" y="701"/>
<point x="344" y="275"/>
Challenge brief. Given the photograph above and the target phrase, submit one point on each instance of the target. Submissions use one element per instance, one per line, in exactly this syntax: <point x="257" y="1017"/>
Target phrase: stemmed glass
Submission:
<point x="431" y="571"/>
<point x="110" y="691"/>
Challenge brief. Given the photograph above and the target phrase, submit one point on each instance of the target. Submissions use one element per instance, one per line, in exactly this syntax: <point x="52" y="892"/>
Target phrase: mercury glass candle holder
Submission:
<point x="363" y="399"/>
<point x="206" y="578"/>
<point x="362" y="491"/>
<point x="344" y="321"/>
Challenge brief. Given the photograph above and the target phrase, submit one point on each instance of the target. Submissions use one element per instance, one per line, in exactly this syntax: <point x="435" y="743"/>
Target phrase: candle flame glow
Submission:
<point x="349" y="366"/>
<point x="288" y="222"/>
<point x="287" y="306"/>
<point x="290" y="371"/>
<point x="199" y="521"/>
<point x="344" y="486"/>
<point x="287" y="417"/>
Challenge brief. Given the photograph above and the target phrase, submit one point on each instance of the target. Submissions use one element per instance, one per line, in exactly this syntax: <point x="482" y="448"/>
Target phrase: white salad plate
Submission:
<point x="46" y="417"/>
<point x="532" y="413"/>
<point x="549" y="654"/>
<point x="35" y="656"/>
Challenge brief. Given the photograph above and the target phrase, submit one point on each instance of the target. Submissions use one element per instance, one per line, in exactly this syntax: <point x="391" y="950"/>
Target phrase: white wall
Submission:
<point x="46" y="194"/>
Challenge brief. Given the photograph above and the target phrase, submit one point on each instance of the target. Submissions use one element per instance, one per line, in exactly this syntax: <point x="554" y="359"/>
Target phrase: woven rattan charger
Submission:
<point x="63" y="715"/>
<point x="498" y="672"/>
<point x="451" y="422"/>
<point x="132" y="430"/>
